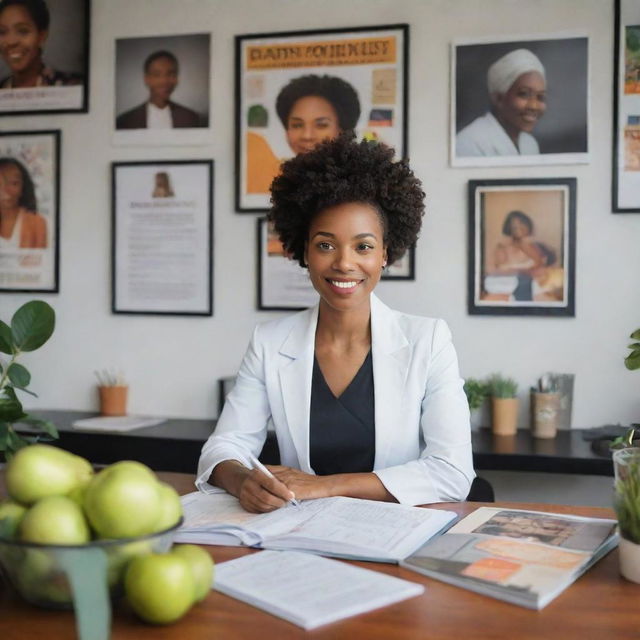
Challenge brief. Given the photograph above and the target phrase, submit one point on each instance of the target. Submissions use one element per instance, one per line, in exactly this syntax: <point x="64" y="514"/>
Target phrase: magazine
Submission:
<point x="340" y="527"/>
<point x="524" y="557"/>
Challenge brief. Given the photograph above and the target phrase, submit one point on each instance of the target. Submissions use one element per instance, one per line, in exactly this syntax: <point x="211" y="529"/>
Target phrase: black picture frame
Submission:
<point x="377" y="117"/>
<point x="183" y="232"/>
<point x="36" y="258"/>
<point x="625" y="175"/>
<point x="65" y="82"/>
<point x="508" y="276"/>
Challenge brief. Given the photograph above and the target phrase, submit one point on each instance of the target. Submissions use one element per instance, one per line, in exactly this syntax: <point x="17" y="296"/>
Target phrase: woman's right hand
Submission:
<point x="257" y="492"/>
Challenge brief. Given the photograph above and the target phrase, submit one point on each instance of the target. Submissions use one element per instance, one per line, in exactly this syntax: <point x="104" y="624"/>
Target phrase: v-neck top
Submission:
<point x="342" y="430"/>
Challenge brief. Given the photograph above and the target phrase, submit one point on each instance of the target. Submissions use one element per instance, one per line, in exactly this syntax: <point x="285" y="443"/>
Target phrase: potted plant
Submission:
<point x="31" y="326"/>
<point x="476" y="392"/>
<point x="504" y="404"/>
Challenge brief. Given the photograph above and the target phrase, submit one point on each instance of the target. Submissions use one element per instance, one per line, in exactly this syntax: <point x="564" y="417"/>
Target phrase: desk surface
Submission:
<point x="601" y="604"/>
<point x="175" y="446"/>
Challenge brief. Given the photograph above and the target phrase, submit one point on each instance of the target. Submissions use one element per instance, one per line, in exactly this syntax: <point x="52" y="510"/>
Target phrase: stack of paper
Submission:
<point x="116" y="423"/>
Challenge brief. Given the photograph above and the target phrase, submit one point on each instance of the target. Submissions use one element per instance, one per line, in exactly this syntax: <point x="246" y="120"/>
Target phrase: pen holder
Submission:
<point x="545" y="410"/>
<point x="113" y="400"/>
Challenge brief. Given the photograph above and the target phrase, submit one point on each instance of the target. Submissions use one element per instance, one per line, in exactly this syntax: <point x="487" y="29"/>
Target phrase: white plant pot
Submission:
<point x="629" y="553"/>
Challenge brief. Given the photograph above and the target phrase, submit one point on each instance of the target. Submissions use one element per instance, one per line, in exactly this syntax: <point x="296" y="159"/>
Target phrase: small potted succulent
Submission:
<point x="476" y="392"/>
<point x="31" y="326"/>
<point x="504" y="404"/>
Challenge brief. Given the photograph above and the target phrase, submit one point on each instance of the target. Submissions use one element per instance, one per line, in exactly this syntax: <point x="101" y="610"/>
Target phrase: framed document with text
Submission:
<point x="162" y="222"/>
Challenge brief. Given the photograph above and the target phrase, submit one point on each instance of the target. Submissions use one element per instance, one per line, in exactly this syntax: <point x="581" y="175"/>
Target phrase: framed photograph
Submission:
<point x="522" y="236"/>
<point x="49" y="71"/>
<point x="520" y="101"/>
<point x="626" y="108"/>
<point x="29" y="211"/>
<point x="162" y="227"/>
<point x="402" y="269"/>
<point x="283" y="285"/>
<point x="296" y="88"/>
<point x="162" y="89"/>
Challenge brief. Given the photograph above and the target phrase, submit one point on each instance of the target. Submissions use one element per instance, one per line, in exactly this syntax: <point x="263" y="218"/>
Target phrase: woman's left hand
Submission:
<point x="305" y="485"/>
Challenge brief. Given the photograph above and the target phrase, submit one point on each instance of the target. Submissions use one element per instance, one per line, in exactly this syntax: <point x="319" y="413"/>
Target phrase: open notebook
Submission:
<point x="340" y="527"/>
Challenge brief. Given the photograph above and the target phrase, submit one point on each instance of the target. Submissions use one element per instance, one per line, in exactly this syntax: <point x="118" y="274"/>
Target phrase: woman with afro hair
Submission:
<point x="365" y="401"/>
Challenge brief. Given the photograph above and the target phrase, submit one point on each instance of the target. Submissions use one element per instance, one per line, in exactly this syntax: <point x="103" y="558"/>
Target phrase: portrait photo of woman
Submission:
<point x="42" y="45"/>
<point x="520" y="102"/>
<point x="21" y="226"/>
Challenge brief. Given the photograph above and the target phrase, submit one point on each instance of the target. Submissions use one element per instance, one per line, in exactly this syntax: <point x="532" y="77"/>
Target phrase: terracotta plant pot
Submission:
<point x="504" y="416"/>
<point x="629" y="554"/>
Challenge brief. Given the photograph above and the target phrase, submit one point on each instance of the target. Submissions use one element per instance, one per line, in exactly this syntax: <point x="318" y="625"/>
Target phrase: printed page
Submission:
<point x="309" y="590"/>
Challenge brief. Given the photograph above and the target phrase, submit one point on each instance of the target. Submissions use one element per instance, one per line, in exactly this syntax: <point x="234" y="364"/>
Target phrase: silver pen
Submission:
<point x="256" y="464"/>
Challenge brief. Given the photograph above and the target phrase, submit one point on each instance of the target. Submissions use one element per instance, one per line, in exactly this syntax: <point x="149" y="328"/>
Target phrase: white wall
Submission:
<point x="173" y="363"/>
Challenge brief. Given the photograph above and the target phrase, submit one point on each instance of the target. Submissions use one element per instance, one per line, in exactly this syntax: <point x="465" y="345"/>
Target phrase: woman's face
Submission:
<point x="311" y="120"/>
<point x="20" y="39"/>
<point x="518" y="228"/>
<point x="520" y="108"/>
<point x="10" y="186"/>
<point x="345" y="254"/>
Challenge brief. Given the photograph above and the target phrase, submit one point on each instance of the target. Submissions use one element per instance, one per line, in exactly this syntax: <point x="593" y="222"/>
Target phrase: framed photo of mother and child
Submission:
<point x="44" y="56"/>
<point x="626" y="108"/>
<point x="522" y="238"/>
<point x="296" y="88"/>
<point x="521" y="101"/>
<point x="29" y="211"/>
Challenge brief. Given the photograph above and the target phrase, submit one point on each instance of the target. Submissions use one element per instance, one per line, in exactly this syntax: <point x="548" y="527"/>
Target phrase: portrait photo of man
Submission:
<point x="167" y="79"/>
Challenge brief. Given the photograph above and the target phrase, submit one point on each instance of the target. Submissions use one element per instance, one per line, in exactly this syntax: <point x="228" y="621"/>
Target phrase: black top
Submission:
<point x="342" y="430"/>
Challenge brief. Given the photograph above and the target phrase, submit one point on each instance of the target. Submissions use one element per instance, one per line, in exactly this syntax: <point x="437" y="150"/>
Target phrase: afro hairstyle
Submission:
<point x="340" y="171"/>
<point x="336" y="91"/>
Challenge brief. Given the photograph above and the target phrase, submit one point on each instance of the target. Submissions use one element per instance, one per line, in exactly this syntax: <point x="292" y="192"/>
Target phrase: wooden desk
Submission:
<point x="601" y="605"/>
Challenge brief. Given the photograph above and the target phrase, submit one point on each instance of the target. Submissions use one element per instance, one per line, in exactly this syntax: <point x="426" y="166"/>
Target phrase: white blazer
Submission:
<point x="422" y="432"/>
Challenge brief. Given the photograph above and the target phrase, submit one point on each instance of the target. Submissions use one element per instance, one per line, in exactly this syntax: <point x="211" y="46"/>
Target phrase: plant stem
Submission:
<point x="5" y="373"/>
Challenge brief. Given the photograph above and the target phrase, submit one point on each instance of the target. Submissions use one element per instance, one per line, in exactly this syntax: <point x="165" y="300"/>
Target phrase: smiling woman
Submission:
<point x="24" y="28"/>
<point x="517" y="90"/>
<point x="365" y="401"/>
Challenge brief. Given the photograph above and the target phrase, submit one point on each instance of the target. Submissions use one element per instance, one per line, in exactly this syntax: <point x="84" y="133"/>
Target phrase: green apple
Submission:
<point x="201" y="564"/>
<point x="41" y="470"/>
<point x="170" y="507"/>
<point x="11" y="514"/>
<point x="159" y="587"/>
<point x="54" y="520"/>
<point x="119" y="556"/>
<point x="123" y="500"/>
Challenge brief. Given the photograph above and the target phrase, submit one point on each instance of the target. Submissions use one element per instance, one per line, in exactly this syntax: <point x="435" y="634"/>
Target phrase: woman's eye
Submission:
<point x="324" y="246"/>
<point x="364" y="247"/>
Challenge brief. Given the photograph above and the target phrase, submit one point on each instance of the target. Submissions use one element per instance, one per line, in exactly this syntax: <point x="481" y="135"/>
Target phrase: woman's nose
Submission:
<point x="343" y="261"/>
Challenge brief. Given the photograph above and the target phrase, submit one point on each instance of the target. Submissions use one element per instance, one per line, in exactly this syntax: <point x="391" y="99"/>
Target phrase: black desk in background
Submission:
<point x="175" y="445"/>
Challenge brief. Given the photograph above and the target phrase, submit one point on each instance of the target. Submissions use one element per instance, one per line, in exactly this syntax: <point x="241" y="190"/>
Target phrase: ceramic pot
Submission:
<point x="504" y="420"/>
<point x="629" y="554"/>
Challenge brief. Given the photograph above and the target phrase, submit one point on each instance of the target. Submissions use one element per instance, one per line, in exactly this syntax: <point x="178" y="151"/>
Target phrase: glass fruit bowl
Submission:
<point x="59" y="576"/>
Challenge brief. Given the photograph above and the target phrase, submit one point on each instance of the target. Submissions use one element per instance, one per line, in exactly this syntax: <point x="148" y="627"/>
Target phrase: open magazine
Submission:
<point x="524" y="557"/>
<point x="340" y="527"/>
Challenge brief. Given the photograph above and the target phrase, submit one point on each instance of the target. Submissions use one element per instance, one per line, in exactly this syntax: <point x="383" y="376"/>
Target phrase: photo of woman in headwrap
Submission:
<point x="516" y="83"/>
<point x="311" y="108"/>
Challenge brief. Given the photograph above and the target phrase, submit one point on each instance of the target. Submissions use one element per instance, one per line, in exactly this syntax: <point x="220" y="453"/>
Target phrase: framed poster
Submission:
<point x="296" y="88"/>
<point x="519" y="101"/>
<point x="29" y="211"/>
<point x="162" y="222"/>
<point x="522" y="247"/>
<point x="44" y="57"/>
<point x="162" y="89"/>
<point x="283" y="285"/>
<point x="626" y="108"/>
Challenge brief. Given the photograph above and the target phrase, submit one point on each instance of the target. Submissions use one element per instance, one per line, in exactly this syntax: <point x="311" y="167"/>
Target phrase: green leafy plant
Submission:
<point x="476" y="391"/>
<point x="31" y="326"/>
<point x="499" y="386"/>
<point x="632" y="361"/>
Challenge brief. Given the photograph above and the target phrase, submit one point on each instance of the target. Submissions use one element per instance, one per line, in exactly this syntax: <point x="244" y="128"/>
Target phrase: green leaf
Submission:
<point x="632" y="361"/>
<point x="32" y="325"/>
<point x="44" y="425"/>
<point x="6" y="338"/>
<point x="15" y="443"/>
<point x="19" y="375"/>
<point x="4" y="435"/>
<point x="635" y="335"/>
<point x="10" y="407"/>
<point x="634" y="345"/>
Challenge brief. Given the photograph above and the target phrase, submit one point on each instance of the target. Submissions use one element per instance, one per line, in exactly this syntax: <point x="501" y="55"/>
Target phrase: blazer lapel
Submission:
<point x="295" y="375"/>
<point x="391" y="355"/>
